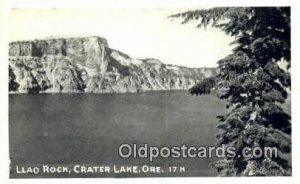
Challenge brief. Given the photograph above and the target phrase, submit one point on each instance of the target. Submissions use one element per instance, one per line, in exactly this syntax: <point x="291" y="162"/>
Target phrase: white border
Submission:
<point x="4" y="156"/>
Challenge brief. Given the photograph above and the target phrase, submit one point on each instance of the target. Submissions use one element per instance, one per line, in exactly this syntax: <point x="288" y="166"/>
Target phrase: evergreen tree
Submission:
<point x="12" y="84"/>
<point x="253" y="84"/>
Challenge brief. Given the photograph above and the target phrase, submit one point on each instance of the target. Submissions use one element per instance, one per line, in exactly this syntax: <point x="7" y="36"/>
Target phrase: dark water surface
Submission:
<point x="69" y="129"/>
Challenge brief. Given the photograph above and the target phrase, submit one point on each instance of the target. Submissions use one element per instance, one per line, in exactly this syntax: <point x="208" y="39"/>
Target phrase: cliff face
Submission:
<point x="89" y="65"/>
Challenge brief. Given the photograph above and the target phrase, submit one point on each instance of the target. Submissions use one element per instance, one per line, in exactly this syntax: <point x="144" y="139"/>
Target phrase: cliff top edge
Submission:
<point x="52" y="38"/>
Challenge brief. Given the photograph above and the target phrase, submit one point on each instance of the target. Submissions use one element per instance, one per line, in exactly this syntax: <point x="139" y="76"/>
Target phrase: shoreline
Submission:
<point x="173" y="90"/>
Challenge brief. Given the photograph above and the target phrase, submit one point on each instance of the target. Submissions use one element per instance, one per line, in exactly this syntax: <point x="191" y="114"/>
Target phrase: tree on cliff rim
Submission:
<point x="253" y="85"/>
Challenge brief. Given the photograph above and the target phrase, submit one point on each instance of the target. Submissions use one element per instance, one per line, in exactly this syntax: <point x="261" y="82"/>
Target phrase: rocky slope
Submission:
<point x="88" y="65"/>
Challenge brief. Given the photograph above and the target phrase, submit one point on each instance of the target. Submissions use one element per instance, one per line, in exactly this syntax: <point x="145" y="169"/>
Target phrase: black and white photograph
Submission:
<point x="139" y="92"/>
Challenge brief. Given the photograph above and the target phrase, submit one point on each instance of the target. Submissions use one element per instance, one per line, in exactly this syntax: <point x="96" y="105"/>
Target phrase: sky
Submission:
<point x="140" y="33"/>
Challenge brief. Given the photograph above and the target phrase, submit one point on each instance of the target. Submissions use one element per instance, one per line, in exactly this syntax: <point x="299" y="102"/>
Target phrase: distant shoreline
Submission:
<point x="43" y="92"/>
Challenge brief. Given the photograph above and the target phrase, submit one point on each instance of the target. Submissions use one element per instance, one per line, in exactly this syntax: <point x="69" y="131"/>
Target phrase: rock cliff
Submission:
<point x="66" y="65"/>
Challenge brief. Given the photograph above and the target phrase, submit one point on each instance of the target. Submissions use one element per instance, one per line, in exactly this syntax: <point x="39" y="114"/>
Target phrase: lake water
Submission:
<point x="68" y="129"/>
